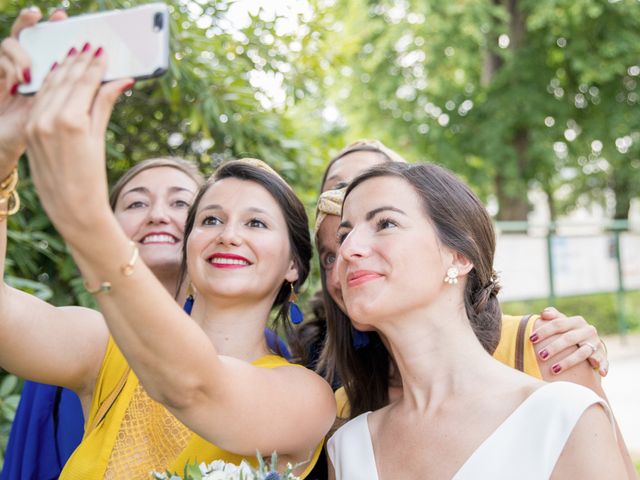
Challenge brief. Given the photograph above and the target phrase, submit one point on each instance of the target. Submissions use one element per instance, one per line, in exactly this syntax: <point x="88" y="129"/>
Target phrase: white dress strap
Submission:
<point x="529" y="442"/>
<point x="351" y="451"/>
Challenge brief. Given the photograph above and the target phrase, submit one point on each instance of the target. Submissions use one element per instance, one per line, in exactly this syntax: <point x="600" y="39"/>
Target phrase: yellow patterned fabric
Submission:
<point x="138" y="434"/>
<point x="505" y="353"/>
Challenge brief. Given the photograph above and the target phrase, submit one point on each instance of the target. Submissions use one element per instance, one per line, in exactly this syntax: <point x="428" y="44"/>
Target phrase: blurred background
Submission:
<point x="535" y="103"/>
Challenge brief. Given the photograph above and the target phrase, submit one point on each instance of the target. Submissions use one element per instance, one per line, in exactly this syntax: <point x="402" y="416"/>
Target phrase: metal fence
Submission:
<point x="568" y="258"/>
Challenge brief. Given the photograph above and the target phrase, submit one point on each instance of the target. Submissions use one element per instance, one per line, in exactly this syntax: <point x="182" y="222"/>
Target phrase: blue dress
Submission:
<point x="47" y="428"/>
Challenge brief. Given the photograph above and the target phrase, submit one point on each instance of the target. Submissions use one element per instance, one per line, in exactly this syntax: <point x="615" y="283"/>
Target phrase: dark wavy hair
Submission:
<point x="463" y="225"/>
<point x="294" y="215"/>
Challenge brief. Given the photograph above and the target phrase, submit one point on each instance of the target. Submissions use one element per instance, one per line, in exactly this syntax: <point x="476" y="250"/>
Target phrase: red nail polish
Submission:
<point x="556" y="368"/>
<point x="534" y="338"/>
<point x="14" y="89"/>
<point x="543" y="354"/>
<point x="98" y="52"/>
<point x="86" y="47"/>
<point x="54" y="66"/>
<point x="72" y="52"/>
<point x="128" y="85"/>
<point x="26" y="74"/>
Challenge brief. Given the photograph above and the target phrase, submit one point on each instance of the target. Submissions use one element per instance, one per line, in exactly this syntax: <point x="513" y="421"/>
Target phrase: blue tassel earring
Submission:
<point x="359" y="339"/>
<point x="188" y="303"/>
<point x="295" y="314"/>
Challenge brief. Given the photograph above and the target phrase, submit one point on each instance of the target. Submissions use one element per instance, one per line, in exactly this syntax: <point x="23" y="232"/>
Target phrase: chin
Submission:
<point x="358" y="312"/>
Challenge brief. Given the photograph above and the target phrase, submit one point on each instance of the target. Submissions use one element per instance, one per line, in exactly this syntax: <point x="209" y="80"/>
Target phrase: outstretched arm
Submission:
<point x="227" y="401"/>
<point x="62" y="346"/>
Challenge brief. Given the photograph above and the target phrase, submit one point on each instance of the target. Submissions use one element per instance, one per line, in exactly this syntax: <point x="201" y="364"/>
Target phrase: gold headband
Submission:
<point x="329" y="203"/>
<point x="262" y="165"/>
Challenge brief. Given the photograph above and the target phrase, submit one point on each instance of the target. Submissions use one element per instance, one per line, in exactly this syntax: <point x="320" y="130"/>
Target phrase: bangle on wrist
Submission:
<point x="126" y="270"/>
<point x="9" y="199"/>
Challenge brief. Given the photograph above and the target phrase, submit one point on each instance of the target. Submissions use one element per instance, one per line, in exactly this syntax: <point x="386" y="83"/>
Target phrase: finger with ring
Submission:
<point x="591" y="346"/>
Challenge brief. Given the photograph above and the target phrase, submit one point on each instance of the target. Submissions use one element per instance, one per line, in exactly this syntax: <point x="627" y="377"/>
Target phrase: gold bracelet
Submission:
<point x="8" y="185"/>
<point x="12" y="205"/>
<point x="9" y="198"/>
<point x="126" y="270"/>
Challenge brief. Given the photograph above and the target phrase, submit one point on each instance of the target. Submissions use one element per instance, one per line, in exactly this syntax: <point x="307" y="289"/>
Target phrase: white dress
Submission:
<point x="525" y="446"/>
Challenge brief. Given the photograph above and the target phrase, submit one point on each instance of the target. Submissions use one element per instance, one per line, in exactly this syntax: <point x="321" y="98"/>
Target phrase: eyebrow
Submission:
<point x="370" y="215"/>
<point x="146" y="191"/>
<point x="215" y="206"/>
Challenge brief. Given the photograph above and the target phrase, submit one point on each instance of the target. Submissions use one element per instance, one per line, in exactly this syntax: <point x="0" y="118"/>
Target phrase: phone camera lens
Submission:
<point x="158" y="22"/>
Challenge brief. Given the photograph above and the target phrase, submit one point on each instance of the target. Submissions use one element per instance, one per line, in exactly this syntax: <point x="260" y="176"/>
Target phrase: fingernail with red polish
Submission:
<point x="72" y="52"/>
<point x="14" y="89"/>
<point x="26" y="74"/>
<point x="54" y="66"/>
<point x="543" y="354"/>
<point x="128" y="85"/>
<point x="86" y="47"/>
<point x="99" y="52"/>
<point x="556" y="368"/>
<point x="534" y="338"/>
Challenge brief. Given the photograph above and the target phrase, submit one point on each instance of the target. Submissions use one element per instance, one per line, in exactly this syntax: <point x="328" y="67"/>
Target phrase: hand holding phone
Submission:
<point x="136" y="41"/>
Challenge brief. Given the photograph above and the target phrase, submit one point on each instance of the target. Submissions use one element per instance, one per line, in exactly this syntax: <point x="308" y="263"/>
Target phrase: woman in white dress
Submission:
<point x="462" y="414"/>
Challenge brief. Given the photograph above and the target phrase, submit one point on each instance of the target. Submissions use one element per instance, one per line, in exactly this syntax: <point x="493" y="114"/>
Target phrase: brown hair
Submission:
<point x="463" y="225"/>
<point x="294" y="215"/>
<point x="178" y="163"/>
<point x="364" y="145"/>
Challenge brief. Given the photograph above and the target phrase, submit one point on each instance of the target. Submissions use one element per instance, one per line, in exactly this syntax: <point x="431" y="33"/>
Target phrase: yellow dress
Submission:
<point x="138" y="435"/>
<point x="505" y="353"/>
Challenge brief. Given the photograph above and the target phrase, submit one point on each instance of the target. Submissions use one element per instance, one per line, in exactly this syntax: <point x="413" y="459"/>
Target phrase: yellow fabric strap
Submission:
<point x="108" y="402"/>
<point x="329" y="203"/>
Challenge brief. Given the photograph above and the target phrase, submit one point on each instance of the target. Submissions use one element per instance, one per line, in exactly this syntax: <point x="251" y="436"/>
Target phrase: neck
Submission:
<point x="437" y="355"/>
<point x="236" y="329"/>
<point x="169" y="278"/>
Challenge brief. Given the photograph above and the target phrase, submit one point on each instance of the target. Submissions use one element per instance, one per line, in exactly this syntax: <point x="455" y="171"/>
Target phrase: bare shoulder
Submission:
<point x="591" y="451"/>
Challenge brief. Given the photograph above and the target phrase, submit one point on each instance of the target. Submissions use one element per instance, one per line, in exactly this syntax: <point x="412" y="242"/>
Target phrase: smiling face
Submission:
<point x="152" y="209"/>
<point x="390" y="260"/>
<point x="340" y="175"/>
<point x="239" y="245"/>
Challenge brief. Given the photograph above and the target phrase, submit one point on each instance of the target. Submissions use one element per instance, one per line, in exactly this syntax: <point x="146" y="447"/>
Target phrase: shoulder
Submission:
<point x="591" y="451"/>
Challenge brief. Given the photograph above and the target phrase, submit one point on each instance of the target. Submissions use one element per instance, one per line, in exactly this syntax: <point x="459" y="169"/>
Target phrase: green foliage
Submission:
<point x="10" y="387"/>
<point x="599" y="309"/>
<point x="508" y="94"/>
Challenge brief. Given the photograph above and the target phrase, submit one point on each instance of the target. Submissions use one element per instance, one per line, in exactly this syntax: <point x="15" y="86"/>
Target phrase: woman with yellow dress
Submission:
<point x="159" y="388"/>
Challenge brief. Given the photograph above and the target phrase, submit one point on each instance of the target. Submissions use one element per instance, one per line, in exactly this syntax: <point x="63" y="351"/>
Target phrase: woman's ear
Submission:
<point x="462" y="263"/>
<point x="292" y="273"/>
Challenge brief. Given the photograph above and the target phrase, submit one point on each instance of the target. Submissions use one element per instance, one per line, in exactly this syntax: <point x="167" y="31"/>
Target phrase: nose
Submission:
<point x="355" y="245"/>
<point x="158" y="213"/>
<point x="229" y="235"/>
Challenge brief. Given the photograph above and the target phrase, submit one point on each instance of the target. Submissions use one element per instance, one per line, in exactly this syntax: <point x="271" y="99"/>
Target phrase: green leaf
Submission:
<point x="7" y="386"/>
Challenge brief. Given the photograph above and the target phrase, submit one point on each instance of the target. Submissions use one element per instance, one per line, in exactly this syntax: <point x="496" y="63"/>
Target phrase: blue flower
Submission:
<point x="272" y="476"/>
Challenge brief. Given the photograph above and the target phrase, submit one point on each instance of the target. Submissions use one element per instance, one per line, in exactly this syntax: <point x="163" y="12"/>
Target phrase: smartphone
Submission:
<point x="136" y="41"/>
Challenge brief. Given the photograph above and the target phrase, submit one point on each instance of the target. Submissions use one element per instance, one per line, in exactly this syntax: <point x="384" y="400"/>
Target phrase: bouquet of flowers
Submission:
<point x="219" y="470"/>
